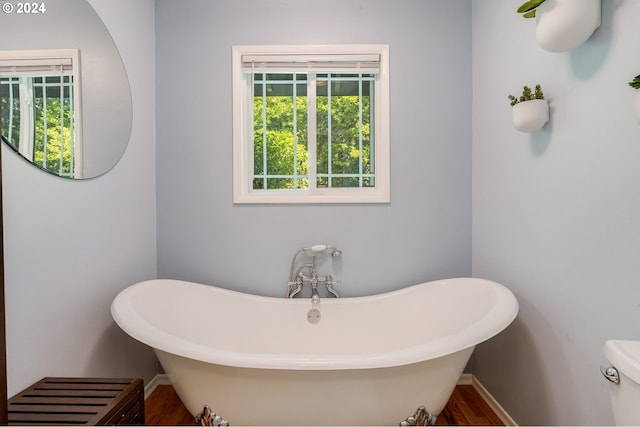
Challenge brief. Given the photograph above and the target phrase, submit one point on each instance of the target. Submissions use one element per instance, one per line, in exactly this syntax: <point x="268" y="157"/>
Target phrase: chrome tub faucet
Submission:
<point x="307" y="272"/>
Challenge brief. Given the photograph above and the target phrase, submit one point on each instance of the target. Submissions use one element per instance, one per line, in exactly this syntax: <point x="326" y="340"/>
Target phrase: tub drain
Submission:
<point x="313" y="315"/>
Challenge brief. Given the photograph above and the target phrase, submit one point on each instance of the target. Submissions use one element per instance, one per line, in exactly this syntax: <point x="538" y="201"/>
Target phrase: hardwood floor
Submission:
<point x="164" y="408"/>
<point x="466" y="407"/>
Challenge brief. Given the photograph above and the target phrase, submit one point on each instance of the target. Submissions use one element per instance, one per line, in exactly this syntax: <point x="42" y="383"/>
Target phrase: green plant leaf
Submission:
<point x="527" y="95"/>
<point x="529" y="6"/>
<point x="531" y="14"/>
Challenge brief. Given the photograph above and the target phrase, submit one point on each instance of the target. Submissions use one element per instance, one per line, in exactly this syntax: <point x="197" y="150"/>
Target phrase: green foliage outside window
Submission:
<point x="53" y="136"/>
<point x="280" y="141"/>
<point x="345" y="132"/>
<point x="49" y="126"/>
<point x="339" y="121"/>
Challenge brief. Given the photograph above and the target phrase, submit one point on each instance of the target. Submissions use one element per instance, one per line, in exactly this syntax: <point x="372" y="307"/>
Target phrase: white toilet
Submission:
<point x="624" y="374"/>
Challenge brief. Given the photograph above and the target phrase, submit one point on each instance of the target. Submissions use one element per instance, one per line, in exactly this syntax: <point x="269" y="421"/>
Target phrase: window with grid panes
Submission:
<point x="311" y="124"/>
<point x="39" y="97"/>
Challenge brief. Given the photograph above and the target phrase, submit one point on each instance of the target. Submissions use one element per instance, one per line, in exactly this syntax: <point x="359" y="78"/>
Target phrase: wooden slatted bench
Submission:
<point x="79" y="401"/>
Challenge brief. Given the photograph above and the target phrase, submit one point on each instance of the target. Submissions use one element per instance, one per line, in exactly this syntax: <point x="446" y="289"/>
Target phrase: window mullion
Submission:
<point x="45" y="119"/>
<point x="264" y="133"/>
<point x="329" y="156"/>
<point x="61" y="101"/>
<point x="26" y="142"/>
<point x="11" y="110"/>
<point x="373" y="146"/>
<point x="295" y="130"/>
<point x="312" y="129"/>
<point x="74" y="152"/>
<point x="360" y="124"/>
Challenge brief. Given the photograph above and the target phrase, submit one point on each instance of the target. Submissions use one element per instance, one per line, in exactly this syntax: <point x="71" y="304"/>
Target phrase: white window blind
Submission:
<point x="352" y="63"/>
<point x="32" y="63"/>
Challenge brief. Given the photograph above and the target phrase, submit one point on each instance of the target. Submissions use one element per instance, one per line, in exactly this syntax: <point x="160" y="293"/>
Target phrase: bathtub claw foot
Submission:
<point x="422" y="417"/>
<point x="209" y="418"/>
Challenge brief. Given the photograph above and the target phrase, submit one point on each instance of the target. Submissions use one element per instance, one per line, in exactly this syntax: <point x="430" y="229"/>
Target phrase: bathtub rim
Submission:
<point x="122" y="309"/>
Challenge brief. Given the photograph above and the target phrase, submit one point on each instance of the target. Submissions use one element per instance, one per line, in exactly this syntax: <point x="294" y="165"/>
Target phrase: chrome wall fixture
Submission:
<point x="308" y="273"/>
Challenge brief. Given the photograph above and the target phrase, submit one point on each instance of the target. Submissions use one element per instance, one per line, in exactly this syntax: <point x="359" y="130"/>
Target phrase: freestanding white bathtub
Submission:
<point x="368" y="360"/>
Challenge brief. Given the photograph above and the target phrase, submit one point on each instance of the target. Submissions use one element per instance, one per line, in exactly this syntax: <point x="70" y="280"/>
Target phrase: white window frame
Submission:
<point x="243" y="130"/>
<point x="47" y="63"/>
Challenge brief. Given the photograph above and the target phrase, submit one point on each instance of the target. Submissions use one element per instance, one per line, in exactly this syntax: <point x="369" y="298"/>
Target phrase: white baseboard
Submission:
<point x="160" y="379"/>
<point x="466" y="379"/>
<point x="470" y="379"/>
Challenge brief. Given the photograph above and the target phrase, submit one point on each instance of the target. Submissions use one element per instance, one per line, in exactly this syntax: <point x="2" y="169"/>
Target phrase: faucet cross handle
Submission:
<point x="330" y="283"/>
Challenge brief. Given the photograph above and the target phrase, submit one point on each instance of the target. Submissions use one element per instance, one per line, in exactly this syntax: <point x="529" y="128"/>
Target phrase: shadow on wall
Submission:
<point x="586" y="61"/>
<point x="114" y="349"/>
<point x="515" y="347"/>
<point x="588" y="58"/>
<point x="541" y="139"/>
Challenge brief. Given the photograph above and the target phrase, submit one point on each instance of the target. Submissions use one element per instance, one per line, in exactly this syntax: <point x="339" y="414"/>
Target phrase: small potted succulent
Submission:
<point x="562" y="25"/>
<point x="530" y="110"/>
<point x="635" y="83"/>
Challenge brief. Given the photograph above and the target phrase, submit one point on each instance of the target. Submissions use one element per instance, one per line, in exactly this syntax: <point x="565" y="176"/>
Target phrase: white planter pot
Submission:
<point x="562" y="25"/>
<point x="638" y="104"/>
<point x="529" y="116"/>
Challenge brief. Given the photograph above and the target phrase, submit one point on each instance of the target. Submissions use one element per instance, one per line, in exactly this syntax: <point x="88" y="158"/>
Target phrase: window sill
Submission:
<point x="332" y="196"/>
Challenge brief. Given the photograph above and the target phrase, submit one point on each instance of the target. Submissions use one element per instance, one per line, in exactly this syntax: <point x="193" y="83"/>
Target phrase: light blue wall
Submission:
<point x="556" y="213"/>
<point x="424" y="234"/>
<point x="70" y="247"/>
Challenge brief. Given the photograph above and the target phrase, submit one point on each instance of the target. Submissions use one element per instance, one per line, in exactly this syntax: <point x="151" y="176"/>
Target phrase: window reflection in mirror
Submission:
<point x="40" y="105"/>
<point x="106" y="97"/>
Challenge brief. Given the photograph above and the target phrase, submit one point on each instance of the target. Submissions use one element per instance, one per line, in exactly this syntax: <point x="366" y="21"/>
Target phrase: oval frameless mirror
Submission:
<point x="65" y="101"/>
